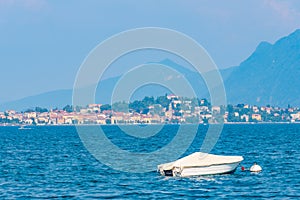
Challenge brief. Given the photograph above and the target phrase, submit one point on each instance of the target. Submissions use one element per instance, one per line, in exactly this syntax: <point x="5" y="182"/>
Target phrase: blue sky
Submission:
<point x="43" y="43"/>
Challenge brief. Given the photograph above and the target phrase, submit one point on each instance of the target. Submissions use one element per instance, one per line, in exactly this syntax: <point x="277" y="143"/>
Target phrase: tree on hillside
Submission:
<point x="68" y="108"/>
<point x="163" y="101"/>
<point x="41" y="110"/>
<point x="78" y="108"/>
<point x="105" y="107"/>
<point x="147" y="101"/>
<point x="157" y="110"/>
<point x="29" y="110"/>
<point x="205" y="102"/>
<point x="120" y="107"/>
<point x="138" y="106"/>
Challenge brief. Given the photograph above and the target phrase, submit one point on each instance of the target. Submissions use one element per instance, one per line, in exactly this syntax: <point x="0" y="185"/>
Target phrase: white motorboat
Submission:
<point x="199" y="163"/>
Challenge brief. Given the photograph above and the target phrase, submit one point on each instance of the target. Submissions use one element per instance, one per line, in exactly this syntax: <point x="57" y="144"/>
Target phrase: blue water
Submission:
<point x="51" y="162"/>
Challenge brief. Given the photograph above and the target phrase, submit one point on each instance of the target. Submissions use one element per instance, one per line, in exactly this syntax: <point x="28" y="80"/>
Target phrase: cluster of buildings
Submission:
<point x="247" y="113"/>
<point x="179" y="110"/>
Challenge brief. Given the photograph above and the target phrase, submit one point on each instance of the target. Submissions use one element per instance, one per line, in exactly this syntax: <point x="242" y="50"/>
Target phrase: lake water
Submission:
<point x="51" y="162"/>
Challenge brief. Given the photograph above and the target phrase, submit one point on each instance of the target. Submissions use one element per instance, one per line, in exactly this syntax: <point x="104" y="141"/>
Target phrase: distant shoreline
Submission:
<point x="68" y="125"/>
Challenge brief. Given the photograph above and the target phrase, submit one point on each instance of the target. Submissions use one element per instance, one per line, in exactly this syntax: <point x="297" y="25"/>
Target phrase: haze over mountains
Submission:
<point x="271" y="75"/>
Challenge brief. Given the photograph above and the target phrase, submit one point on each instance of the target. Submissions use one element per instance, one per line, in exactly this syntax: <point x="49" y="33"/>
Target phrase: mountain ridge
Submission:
<point x="270" y="75"/>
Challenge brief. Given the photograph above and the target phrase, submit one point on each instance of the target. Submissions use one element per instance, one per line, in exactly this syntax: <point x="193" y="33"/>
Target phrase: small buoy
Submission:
<point x="255" y="168"/>
<point x="243" y="168"/>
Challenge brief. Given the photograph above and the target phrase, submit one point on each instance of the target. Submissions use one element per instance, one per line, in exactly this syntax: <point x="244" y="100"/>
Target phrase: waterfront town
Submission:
<point x="168" y="109"/>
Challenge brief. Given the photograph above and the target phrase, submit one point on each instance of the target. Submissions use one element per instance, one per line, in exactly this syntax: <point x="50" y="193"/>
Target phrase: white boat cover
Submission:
<point x="199" y="159"/>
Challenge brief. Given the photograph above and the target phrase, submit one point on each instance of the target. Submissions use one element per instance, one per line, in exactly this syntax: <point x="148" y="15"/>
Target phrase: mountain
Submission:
<point x="60" y="98"/>
<point x="53" y="99"/>
<point x="271" y="75"/>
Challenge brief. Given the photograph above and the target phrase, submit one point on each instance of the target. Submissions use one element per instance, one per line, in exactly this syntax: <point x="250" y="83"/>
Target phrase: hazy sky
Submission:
<point x="43" y="43"/>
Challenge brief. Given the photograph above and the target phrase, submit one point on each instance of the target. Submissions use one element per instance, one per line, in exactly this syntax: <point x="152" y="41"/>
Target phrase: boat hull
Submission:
<point x="209" y="170"/>
<point x="201" y="171"/>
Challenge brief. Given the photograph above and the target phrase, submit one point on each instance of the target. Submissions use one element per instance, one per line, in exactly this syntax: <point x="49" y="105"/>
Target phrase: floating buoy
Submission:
<point x="255" y="168"/>
<point x="243" y="168"/>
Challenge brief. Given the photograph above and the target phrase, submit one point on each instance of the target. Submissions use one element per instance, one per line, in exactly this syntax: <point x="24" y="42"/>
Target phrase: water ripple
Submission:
<point x="51" y="162"/>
